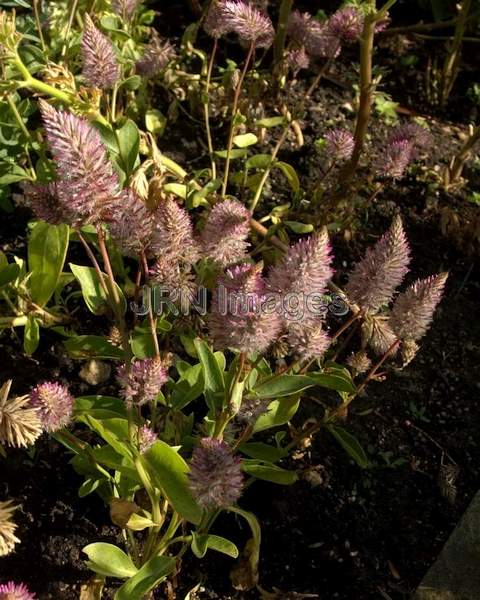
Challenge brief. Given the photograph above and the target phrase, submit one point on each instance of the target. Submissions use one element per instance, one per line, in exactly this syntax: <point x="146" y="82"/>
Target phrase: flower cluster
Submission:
<point x="15" y="591"/>
<point x="125" y="8"/>
<point x="54" y="403"/>
<point x="87" y="184"/>
<point x="252" y="26"/>
<point x="339" y="144"/>
<point x="224" y="237"/>
<point x="401" y="148"/>
<point x="146" y="438"/>
<point x="157" y="55"/>
<point x="20" y="424"/>
<point x="100" y="65"/>
<point x="215" y="476"/>
<point x="142" y="380"/>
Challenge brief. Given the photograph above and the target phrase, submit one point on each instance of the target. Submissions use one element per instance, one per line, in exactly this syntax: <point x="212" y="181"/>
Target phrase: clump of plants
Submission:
<point x="215" y="324"/>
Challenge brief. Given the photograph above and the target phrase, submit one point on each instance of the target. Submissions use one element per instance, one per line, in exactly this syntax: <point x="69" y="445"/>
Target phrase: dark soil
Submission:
<point x="348" y="534"/>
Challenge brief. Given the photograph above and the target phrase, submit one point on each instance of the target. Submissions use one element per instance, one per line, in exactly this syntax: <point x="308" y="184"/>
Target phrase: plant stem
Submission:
<point x="456" y="169"/>
<point x="279" y="44"/>
<point x="236" y="97"/>
<point x="372" y="372"/>
<point x="18" y="118"/>
<point x="151" y="318"/>
<point x="71" y="16"/>
<point x="18" y="321"/>
<point x="93" y="260"/>
<point x="206" y="106"/>
<point x="39" y="26"/>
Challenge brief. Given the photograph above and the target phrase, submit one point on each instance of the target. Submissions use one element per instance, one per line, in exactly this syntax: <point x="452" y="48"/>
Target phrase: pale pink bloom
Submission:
<point x="308" y="341"/>
<point x="339" y="144"/>
<point x="251" y="25"/>
<point x="54" y="403"/>
<point x="346" y="24"/>
<point x="15" y="591"/>
<point x="157" y="55"/>
<point x="100" y="66"/>
<point x="143" y="381"/>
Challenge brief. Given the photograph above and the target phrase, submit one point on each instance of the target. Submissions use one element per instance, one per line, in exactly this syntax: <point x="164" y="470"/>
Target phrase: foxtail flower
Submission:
<point x="100" y="66"/>
<point x="297" y="59"/>
<point x="8" y="539"/>
<point x="214" y="23"/>
<point x="346" y="24"/>
<point x="375" y="278"/>
<point x="359" y="362"/>
<point x="143" y="381"/>
<point x="172" y="235"/>
<point x="339" y="144"/>
<point x="15" y="591"/>
<point x="130" y="224"/>
<point x="146" y="438"/>
<point x="413" y="310"/>
<point x="20" y="424"/>
<point x="88" y="183"/>
<point x="54" y="403"/>
<point x="378" y="334"/>
<point x="45" y="202"/>
<point x="308" y="341"/>
<point x="156" y="56"/>
<point x="240" y="318"/>
<point x="250" y="25"/>
<point x="224" y="238"/>
<point x="317" y="39"/>
<point x="125" y="8"/>
<point x="394" y="160"/>
<point x="215" y="476"/>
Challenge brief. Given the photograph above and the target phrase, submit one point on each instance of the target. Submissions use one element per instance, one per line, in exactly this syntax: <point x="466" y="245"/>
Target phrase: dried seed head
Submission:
<point x="340" y="144"/>
<point x="20" y="424"/>
<point x="88" y="182"/>
<point x="7" y="528"/>
<point x="143" y="382"/>
<point x="54" y="403"/>
<point x="215" y="476"/>
<point x="375" y="278"/>
<point x="240" y="318"/>
<point x="408" y="351"/>
<point x="413" y="310"/>
<point x="359" y="362"/>
<point x="346" y="24"/>
<point x="251" y="25"/>
<point x="308" y="341"/>
<point x="378" y="334"/>
<point x="156" y="57"/>
<point x="15" y="591"/>
<point x="146" y="438"/>
<point x="100" y="66"/>
<point x="224" y="237"/>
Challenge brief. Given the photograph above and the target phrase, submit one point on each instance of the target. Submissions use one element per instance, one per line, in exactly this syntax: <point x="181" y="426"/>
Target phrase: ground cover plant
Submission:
<point x="182" y="242"/>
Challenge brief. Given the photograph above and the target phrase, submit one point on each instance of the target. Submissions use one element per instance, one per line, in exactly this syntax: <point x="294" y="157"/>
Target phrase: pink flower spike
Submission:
<point x="54" y="403"/>
<point x="143" y="382"/>
<point x="251" y="25"/>
<point x="100" y="65"/>
<point x="15" y="591"/>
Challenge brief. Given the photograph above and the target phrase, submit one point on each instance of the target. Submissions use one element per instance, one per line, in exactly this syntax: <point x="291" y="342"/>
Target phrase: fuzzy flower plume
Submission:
<point x="54" y="403"/>
<point x="346" y="24"/>
<point x="413" y="310"/>
<point x="214" y="23"/>
<point x="375" y="278"/>
<point x="125" y="8"/>
<point x="172" y="235"/>
<point x="88" y="183"/>
<point x="44" y="201"/>
<point x="308" y="341"/>
<point x="306" y="267"/>
<point x="297" y="59"/>
<point x="215" y="476"/>
<point x="339" y="144"/>
<point x="359" y="362"/>
<point x="402" y="147"/>
<point x="146" y="438"/>
<point x="157" y="55"/>
<point x="378" y="334"/>
<point x="224" y="238"/>
<point x="240" y="318"/>
<point x="130" y="223"/>
<point x="8" y="538"/>
<point x="100" y="66"/>
<point x="15" y="591"/>
<point x="143" y="381"/>
<point x="251" y="25"/>
<point x="316" y="37"/>
<point x="20" y="424"/>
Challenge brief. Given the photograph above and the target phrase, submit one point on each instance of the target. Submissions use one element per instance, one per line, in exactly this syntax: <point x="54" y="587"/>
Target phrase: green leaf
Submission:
<point x="279" y="413"/>
<point x="350" y="444"/>
<point x="149" y="576"/>
<point x="244" y="575"/>
<point x="179" y="189"/>
<point x="240" y="153"/>
<point x="259" y="161"/>
<point x="297" y="227"/>
<point x="268" y="472"/>
<point x="9" y="274"/>
<point x="47" y="250"/>
<point x="284" y="385"/>
<point x="128" y="138"/>
<point x="114" y="431"/>
<point x="334" y="379"/>
<point x="92" y="346"/>
<point x="262" y="451"/>
<point x="203" y="542"/>
<point x="169" y="472"/>
<point x="93" y="292"/>
<point x="31" y="335"/>
<point x="212" y="373"/>
<point x="155" y="121"/>
<point x="245" y="139"/>
<point x="100" y="407"/>
<point x="290" y="174"/>
<point x="270" y="122"/>
<point x="109" y="560"/>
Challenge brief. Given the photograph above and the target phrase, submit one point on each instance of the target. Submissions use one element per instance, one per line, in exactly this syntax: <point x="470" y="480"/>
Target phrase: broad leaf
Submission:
<point x="279" y="413"/>
<point x="31" y="335"/>
<point x="283" y="385"/>
<point x="107" y="559"/>
<point x="150" y="575"/>
<point x="92" y="290"/>
<point x="92" y="346"/>
<point x="128" y="139"/>
<point x="203" y="542"/>
<point x="268" y="472"/>
<point x="350" y="444"/>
